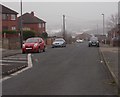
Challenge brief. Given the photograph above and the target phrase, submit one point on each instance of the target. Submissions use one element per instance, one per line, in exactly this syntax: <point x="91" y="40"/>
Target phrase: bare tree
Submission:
<point x="112" y="21"/>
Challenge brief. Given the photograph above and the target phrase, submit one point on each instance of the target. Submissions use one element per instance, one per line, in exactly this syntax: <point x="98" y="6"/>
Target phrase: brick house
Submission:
<point x="9" y="18"/>
<point x="114" y="36"/>
<point x="31" y="22"/>
<point x="84" y="36"/>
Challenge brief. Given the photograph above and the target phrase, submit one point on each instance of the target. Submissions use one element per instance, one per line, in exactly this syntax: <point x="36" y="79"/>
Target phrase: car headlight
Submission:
<point x="35" y="45"/>
<point x="23" y="45"/>
<point x="97" y="41"/>
<point x="90" y="41"/>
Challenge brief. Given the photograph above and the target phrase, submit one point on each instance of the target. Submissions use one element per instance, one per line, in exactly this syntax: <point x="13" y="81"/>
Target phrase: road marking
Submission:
<point x="16" y="73"/>
<point x="14" y="58"/>
<point x="3" y="64"/>
<point x="12" y="61"/>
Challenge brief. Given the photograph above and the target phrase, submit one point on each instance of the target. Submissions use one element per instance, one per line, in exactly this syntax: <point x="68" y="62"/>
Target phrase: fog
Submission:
<point x="80" y="16"/>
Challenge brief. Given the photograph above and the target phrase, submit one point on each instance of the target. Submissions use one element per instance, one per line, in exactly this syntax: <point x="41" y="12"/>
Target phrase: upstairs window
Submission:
<point x="43" y="25"/>
<point x="40" y="25"/>
<point x="13" y="17"/>
<point x="4" y="16"/>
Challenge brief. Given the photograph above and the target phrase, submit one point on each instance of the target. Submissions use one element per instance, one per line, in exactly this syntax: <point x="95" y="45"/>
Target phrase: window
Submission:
<point x="13" y="17"/>
<point x="13" y="28"/>
<point x="43" y="25"/>
<point x="40" y="25"/>
<point x="4" y="16"/>
<point x="26" y="29"/>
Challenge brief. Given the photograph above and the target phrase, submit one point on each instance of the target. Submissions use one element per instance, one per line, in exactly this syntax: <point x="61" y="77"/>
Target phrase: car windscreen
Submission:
<point x="93" y="39"/>
<point x="61" y="40"/>
<point x="32" y="40"/>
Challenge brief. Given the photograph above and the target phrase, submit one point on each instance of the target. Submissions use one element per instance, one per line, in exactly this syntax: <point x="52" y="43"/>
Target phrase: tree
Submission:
<point x="28" y="34"/>
<point x="44" y="35"/>
<point x="112" y="21"/>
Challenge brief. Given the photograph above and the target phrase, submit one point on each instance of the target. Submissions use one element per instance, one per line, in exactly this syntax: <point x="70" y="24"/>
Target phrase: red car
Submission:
<point x="35" y="44"/>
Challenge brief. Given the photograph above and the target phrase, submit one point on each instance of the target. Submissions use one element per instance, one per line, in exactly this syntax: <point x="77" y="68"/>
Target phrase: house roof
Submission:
<point x="6" y="10"/>
<point x="28" y="18"/>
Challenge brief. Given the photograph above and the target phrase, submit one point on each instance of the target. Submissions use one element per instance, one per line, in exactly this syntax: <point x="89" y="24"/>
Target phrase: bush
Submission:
<point x="44" y="35"/>
<point x="28" y="34"/>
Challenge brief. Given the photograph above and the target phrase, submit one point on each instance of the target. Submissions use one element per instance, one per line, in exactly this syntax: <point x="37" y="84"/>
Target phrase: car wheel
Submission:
<point x="39" y="51"/>
<point x="44" y="49"/>
<point x="23" y="52"/>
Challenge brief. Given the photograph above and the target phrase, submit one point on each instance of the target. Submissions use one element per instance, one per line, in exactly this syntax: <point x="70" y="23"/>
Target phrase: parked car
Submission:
<point x="35" y="44"/>
<point x="59" y="42"/>
<point x="93" y="42"/>
<point x="79" y="40"/>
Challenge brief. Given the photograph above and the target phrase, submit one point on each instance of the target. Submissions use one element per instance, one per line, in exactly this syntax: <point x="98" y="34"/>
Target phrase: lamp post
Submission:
<point x="21" y="26"/>
<point x="103" y="23"/>
<point x="64" y="27"/>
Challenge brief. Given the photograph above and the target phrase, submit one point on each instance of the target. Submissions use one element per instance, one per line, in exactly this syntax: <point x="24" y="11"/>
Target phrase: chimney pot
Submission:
<point x="32" y="13"/>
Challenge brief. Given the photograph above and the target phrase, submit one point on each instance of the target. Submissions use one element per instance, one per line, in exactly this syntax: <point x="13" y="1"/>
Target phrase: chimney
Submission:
<point x="32" y="13"/>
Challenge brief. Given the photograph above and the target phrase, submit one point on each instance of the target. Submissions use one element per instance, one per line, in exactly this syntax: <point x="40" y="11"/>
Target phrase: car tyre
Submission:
<point x="44" y="49"/>
<point x="39" y="51"/>
<point x="23" y="52"/>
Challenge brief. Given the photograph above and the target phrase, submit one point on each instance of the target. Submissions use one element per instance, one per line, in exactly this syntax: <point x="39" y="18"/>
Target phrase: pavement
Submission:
<point x="110" y="57"/>
<point x="73" y="70"/>
<point x="6" y="52"/>
<point x="12" y="61"/>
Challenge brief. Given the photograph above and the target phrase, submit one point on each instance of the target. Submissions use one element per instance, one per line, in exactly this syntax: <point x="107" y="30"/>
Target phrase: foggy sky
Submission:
<point x="79" y="15"/>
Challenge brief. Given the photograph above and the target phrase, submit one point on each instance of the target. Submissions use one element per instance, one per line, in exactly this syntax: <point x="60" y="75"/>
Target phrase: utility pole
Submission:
<point x="64" y="27"/>
<point x="103" y="24"/>
<point x="21" y="26"/>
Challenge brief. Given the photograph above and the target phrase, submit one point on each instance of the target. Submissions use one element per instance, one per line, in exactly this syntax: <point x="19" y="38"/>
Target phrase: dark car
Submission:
<point x="93" y="42"/>
<point x="35" y="44"/>
<point x="59" y="42"/>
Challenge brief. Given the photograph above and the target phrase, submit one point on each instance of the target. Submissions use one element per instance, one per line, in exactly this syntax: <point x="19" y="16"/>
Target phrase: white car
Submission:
<point x="59" y="42"/>
<point x="79" y="40"/>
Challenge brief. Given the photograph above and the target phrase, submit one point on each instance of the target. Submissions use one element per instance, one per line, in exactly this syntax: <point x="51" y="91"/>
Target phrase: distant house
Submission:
<point x="101" y="38"/>
<point x="31" y="22"/>
<point x="84" y="36"/>
<point x="114" y="36"/>
<point x="9" y="18"/>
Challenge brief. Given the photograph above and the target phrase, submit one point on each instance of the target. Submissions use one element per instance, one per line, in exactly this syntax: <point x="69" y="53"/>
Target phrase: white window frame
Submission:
<point x="43" y="25"/>
<point x="13" y="28"/>
<point x="13" y="17"/>
<point x="40" y="25"/>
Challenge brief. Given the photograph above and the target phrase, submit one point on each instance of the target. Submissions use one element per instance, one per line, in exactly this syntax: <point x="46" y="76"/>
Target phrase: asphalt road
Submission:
<point x="74" y="70"/>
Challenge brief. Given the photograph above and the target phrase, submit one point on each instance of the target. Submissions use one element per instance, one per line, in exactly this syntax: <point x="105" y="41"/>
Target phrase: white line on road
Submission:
<point x="10" y="61"/>
<point x="16" y="73"/>
<point x="14" y="58"/>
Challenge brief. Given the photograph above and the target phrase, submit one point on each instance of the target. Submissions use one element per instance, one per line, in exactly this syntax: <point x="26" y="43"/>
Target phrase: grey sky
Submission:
<point x="77" y="13"/>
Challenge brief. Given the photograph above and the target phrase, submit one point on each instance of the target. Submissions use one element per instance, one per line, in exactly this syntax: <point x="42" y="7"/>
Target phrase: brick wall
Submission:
<point x="11" y="41"/>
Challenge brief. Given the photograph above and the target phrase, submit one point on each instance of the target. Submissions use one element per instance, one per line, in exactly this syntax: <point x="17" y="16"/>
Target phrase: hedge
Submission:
<point x="44" y="35"/>
<point x="28" y="34"/>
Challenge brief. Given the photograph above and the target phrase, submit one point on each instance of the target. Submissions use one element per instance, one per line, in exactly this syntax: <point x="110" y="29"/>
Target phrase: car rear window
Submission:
<point x="32" y="40"/>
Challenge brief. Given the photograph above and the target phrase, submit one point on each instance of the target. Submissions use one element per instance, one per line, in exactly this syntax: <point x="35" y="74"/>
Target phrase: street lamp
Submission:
<point x="103" y="23"/>
<point x="21" y="26"/>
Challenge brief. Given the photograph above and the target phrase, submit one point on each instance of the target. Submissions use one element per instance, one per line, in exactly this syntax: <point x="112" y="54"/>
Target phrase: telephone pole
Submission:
<point x="21" y="26"/>
<point x="103" y="23"/>
<point x="64" y="27"/>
